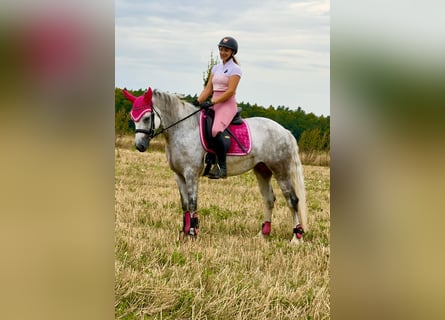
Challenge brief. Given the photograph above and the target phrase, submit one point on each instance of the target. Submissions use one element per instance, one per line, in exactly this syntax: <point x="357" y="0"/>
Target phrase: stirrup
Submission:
<point x="217" y="173"/>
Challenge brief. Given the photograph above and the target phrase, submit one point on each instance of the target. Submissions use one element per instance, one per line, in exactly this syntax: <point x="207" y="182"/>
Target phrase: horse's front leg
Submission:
<point x="188" y="189"/>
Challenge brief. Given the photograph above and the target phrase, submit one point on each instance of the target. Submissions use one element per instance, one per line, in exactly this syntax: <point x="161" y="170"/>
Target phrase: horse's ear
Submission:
<point x="148" y="95"/>
<point x="128" y="95"/>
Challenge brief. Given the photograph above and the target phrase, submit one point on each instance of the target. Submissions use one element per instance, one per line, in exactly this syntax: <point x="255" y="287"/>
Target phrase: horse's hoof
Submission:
<point x="191" y="235"/>
<point x="295" y="241"/>
<point x="263" y="237"/>
<point x="184" y="237"/>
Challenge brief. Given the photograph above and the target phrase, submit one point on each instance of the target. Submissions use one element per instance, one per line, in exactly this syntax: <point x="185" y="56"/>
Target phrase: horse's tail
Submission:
<point x="298" y="183"/>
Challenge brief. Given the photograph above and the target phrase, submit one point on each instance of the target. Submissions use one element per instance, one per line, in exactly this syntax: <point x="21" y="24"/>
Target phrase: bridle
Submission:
<point x="152" y="132"/>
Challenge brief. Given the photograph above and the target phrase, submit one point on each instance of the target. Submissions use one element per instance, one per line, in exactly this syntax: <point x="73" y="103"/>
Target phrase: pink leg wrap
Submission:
<point x="191" y="224"/>
<point x="265" y="229"/>
<point x="298" y="230"/>
<point x="186" y="227"/>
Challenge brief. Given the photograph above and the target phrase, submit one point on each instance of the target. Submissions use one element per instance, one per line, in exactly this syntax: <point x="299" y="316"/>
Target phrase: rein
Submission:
<point x="151" y="133"/>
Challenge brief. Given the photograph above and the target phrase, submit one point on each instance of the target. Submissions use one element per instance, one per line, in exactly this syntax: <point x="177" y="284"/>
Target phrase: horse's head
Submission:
<point x="144" y="118"/>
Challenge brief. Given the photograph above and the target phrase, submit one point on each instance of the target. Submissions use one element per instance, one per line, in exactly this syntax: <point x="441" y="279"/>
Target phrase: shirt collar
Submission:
<point x="228" y="62"/>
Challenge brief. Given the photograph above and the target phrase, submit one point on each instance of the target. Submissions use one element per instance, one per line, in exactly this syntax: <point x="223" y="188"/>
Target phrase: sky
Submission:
<point x="284" y="48"/>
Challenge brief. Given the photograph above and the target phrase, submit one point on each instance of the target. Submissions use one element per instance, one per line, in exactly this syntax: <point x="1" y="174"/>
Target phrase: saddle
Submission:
<point x="236" y="136"/>
<point x="209" y="115"/>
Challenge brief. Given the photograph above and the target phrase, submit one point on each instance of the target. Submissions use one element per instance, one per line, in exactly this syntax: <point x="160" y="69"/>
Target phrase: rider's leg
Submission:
<point x="220" y="150"/>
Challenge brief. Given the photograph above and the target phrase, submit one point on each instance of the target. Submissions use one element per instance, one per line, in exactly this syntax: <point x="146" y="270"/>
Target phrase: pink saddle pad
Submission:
<point x="240" y="131"/>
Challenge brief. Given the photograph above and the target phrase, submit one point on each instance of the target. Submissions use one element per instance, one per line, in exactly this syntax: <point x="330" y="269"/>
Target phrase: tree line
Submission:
<point x="312" y="132"/>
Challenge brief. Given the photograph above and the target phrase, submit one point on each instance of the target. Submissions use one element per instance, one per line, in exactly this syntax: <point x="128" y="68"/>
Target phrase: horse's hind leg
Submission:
<point x="293" y="203"/>
<point x="264" y="175"/>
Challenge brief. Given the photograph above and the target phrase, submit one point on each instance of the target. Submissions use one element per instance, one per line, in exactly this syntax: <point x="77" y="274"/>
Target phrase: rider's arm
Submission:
<point x="207" y="91"/>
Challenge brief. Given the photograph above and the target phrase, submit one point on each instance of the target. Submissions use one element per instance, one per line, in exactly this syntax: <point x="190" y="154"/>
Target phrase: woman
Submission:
<point x="222" y="83"/>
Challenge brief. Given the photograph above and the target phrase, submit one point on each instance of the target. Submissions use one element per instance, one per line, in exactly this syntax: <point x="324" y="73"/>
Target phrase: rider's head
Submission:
<point x="229" y="42"/>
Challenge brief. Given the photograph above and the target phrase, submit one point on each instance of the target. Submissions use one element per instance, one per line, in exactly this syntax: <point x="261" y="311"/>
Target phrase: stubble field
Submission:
<point x="229" y="272"/>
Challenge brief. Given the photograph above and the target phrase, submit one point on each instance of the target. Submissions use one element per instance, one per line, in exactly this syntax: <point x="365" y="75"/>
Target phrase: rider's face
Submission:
<point x="225" y="53"/>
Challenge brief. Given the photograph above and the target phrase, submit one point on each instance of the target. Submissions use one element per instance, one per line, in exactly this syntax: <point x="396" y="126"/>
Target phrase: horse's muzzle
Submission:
<point x="142" y="142"/>
<point x="141" y="147"/>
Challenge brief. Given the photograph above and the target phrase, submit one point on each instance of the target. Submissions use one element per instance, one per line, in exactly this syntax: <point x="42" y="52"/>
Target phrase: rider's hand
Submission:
<point x="206" y="104"/>
<point x="196" y="103"/>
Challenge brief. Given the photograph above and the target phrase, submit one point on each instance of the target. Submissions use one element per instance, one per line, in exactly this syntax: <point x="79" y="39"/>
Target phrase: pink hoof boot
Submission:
<point x="265" y="229"/>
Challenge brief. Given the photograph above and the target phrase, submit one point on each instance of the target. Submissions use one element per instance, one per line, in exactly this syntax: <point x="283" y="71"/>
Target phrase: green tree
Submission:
<point x="122" y="107"/>
<point x="309" y="145"/>
<point x="206" y="74"/>
<point x="121" y="122"/>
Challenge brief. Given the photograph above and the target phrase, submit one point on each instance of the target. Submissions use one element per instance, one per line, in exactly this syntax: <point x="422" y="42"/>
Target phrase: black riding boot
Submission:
<point x="219" y="170"/>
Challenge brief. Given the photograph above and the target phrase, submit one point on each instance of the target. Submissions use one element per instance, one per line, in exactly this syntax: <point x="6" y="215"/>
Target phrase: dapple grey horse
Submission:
<point x="274" y="152"/>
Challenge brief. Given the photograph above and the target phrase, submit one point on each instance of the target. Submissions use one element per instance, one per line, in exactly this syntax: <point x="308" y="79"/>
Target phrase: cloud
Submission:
<point x="281" y="42"/>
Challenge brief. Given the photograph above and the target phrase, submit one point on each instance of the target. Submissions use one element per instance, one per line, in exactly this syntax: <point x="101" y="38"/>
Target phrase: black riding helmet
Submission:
<point x="229" y="42"/>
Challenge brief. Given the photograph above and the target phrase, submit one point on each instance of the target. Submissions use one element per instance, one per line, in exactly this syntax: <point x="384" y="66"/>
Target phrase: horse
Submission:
<point x="274" y="152"/>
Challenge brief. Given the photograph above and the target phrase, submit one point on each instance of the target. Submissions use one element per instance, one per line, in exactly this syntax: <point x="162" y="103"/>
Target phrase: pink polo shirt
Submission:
<point x="225" y="111"/>
<point x="222" y="72"/>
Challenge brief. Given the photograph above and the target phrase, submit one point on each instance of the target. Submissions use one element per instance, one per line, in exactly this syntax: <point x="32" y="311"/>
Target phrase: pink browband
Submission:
<point x="141" y="104"/>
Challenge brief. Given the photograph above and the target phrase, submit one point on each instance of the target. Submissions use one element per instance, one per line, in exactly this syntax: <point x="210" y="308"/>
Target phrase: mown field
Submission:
<point x="229" y="272"/>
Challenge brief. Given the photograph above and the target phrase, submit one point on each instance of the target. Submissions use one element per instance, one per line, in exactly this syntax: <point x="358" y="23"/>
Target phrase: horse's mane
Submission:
<point x="170" y="98"/>
<point x="167" y="97"/>
<point x="172" y="105"/>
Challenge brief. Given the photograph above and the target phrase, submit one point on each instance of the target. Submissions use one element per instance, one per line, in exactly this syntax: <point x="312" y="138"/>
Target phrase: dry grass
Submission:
<point x="228" y="273"/>
<point x="316" y="158"/>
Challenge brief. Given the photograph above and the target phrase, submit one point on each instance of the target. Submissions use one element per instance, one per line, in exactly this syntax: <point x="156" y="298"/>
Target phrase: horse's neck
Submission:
<point x="182" y="136"/>
<point x="171" y="109"/>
